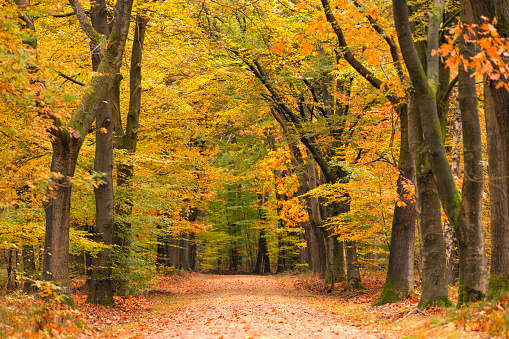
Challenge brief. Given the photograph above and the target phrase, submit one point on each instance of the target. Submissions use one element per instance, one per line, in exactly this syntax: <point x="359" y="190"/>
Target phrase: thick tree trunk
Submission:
<point x="472" y="255"/>
<point x="336" y="261"/>
<point x="399" y="282"/>
<point x="352" y="267"/>
<point x="57" y="207"/>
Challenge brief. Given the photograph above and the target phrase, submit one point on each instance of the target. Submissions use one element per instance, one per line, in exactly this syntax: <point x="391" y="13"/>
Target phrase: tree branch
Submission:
<point x="71" y="79"/>
<point x="96" y="38"/>
<point x="449" y="89"/>
<point x="347" y="54"/>
<point x="393" y="47"/>
<point x="66" y="15"/>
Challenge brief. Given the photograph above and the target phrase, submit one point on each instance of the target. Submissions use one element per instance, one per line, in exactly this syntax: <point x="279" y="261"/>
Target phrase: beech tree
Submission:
<point x="473" y="282"/>
<point x="482" y="12"/>
<point x="68" y="137"/>
<point x="400" y="275"/>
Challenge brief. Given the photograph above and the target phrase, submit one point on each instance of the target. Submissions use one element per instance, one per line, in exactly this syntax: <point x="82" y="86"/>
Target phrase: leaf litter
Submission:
<point x="248" y="306"/>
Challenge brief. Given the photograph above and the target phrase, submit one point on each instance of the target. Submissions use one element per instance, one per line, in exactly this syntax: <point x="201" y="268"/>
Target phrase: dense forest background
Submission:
<point x="255" y="136"/>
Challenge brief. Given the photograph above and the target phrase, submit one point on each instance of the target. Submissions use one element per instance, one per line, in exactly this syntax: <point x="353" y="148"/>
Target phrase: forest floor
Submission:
<point x="248" y="306"/>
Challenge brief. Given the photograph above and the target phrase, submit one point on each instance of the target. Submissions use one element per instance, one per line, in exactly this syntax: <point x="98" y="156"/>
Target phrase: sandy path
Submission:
<point x="250" y="307"/>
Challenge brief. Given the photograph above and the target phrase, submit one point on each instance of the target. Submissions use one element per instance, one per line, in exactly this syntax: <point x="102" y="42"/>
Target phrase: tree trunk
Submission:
<point x="57" y="208"/>
<point x="499" y="206"/>
<point x="434" y="285"/>
<point x="100" y="287"/>
<point x="67" y="140"/>
<point x="101" y="283"/>
<point x="336" y="261"/>
<point x="497" y="104"/>
<point x="11" y="270"/>
<point x="262" y="259"/>
<point x="425" y="86"/>
<point x="352" y="267"/>
<point x="29" y="268"/>
<point x="399" y="282"/>
<point x="450" y="239"/>
<point x="128" y="141"/>
<point x="473" y="267"/>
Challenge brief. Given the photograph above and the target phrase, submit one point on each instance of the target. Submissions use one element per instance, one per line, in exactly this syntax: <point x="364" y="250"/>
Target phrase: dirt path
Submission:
<point x="246" y="307"/>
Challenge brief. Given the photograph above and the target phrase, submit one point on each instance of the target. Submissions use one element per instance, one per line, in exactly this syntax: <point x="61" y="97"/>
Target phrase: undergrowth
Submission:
<point x="23" y="316"/>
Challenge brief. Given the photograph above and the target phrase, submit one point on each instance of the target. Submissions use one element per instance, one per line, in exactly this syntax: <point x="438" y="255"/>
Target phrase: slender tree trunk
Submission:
<point x="100" y="288"/>
<point x="101" y="284"/>
<point x="29" y="268"/>
<point x="499" y="206"/>
<point x="11" y="270"/>
<point x="128" y="142"/>
<point x="434" y="286"/>
<point x="262" y="261"/>
<point x="425" y="86"/>
<point x="449" y="234"/>
<point x="399" y="282"/>
<point x="472" y="255"/>
<point x="497" y="105"/>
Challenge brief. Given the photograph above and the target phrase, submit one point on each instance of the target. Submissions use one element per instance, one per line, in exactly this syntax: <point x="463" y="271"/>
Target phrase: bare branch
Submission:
<point x="71" y="79"/>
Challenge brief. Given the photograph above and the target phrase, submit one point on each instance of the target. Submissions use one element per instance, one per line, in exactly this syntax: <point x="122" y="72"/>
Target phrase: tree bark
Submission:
<point x="434" y="286"/>
<point x="101" y="280"/>
<point x="499" y="206"/>
<point x="262" y="260"/>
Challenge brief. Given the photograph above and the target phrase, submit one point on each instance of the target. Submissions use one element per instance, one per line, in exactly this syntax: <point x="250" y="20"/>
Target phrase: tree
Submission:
<point x="400" y="274"/>
<point x="482" y="12"/>
<point x="471" y="246"/>
<point x="67" y="139"/>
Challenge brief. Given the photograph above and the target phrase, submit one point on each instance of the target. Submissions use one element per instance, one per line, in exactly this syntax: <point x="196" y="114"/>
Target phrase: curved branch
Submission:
<point x="96" y="38"/>
<point x="393" y="46"/>
<point x="347" y="54"/>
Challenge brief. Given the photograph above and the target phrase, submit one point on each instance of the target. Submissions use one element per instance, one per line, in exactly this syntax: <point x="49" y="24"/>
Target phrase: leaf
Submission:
<point x="305" y="48"/>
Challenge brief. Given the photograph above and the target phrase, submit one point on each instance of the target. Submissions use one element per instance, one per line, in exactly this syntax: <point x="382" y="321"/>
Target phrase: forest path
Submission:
<point x="246" y="306"/>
